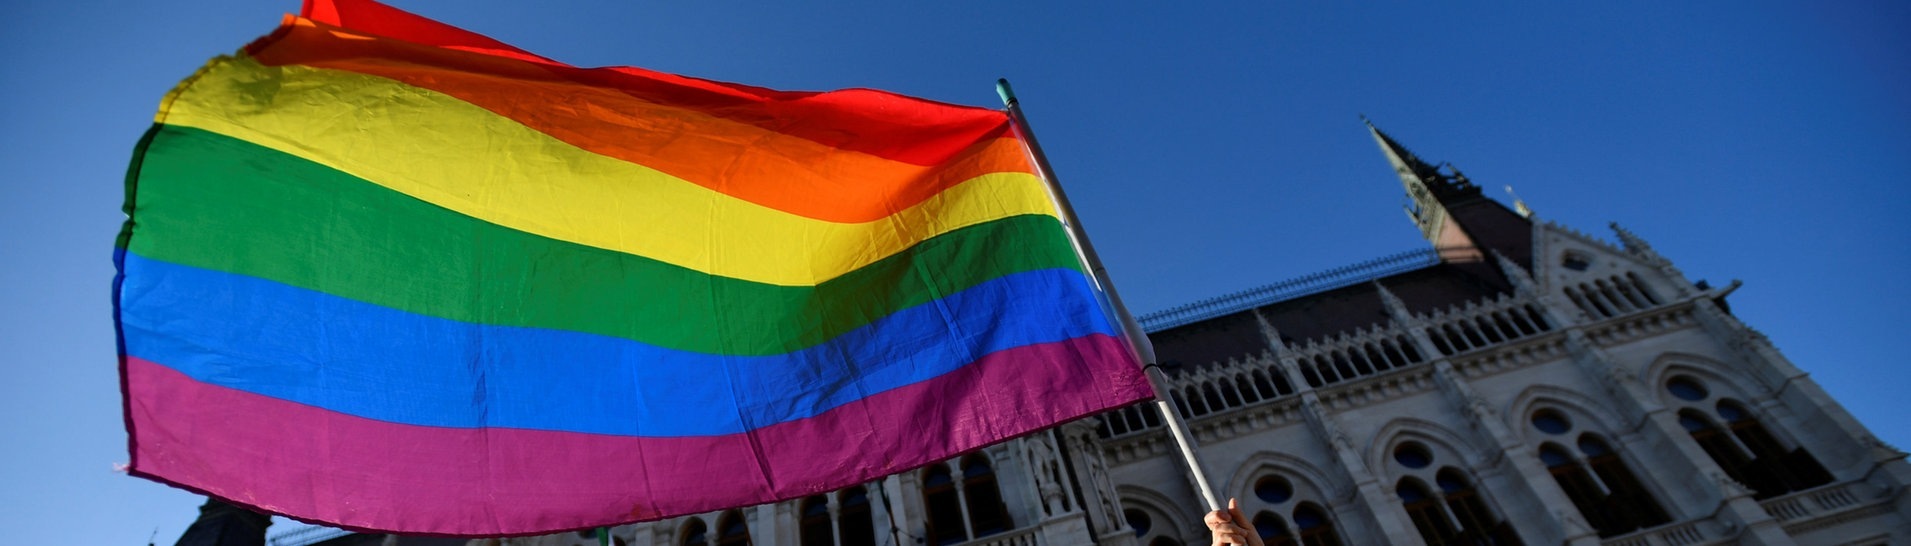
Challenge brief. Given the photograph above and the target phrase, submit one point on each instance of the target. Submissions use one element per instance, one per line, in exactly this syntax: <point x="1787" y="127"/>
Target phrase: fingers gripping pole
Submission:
<point x="1137" y="338"/>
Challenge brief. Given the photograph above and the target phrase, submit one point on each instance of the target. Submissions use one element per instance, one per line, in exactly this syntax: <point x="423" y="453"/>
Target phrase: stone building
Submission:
<point x="1518" y="382"/>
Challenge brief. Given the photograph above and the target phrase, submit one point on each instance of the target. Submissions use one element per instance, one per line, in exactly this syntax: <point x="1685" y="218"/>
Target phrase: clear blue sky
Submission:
<point x="1209" y="149"/>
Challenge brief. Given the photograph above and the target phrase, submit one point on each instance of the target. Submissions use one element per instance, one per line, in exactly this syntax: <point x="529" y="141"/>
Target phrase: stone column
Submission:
<point x="1824" y="422"/>
<point x="1379" y="503"/>
<point x="1678" y="460"/>
<point x="1510" y="453"/>
<point x="1383" y="507"/>
<point x="1518" y="459"/>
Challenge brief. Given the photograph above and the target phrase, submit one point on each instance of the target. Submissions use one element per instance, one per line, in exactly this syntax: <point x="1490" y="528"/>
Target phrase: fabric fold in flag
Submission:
<point x="369" y="279"/>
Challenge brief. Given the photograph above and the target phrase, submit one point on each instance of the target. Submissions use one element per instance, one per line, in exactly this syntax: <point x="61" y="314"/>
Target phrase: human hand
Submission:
<point x="1230" y="527"/>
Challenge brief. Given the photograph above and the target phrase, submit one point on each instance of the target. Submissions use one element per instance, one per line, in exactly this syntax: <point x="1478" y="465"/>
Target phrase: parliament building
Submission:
<point x="1516" y="383"/>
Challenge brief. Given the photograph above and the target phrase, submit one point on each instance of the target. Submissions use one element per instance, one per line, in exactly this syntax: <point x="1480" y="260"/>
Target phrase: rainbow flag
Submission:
<point x="382" y="273"/>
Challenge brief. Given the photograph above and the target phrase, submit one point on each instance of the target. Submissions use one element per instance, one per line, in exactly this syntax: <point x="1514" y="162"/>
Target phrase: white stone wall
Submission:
<point x="1603" y="363"/>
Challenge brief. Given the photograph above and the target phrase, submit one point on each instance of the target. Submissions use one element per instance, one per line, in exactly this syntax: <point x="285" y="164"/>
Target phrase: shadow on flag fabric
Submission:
<point x="385" y="274"/>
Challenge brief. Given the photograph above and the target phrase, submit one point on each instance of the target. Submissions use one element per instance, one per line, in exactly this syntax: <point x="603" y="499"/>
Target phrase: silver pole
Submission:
<point x="1144" y="349"/>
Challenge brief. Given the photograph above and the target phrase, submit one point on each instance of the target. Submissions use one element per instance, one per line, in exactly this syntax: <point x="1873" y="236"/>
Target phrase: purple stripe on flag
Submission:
<point x="256" y="450"/>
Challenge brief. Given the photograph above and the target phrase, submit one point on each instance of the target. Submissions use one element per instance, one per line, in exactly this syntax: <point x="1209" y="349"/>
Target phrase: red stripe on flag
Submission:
<point x="849" y="111"/>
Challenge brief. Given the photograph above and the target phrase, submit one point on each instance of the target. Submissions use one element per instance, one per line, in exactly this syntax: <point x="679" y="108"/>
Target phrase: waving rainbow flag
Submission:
<point x="382" y="273"/>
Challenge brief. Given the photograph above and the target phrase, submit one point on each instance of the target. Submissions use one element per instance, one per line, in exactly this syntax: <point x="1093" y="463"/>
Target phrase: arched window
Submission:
<point x="1195" y="401"/>
<point x="1425" y="512"/>
<point x="1579" y="486"/>
<point x="1139" y="521"/>
<point x="1477" y="523"/>
<point x="853" y="517"/>
<point x="693" y="533"/>
<point x="731" y="529"/>
<point x="1273" y="489"/>
<point x="1263" y="386"/>
<point x="1749" y="452"/>
<point x="1288" y="510"/>
<point x="1687" y="388"/>
<point x="945" y="508"/>
<point x="1245" y="384"/>
<point x="1628" y="505"/>
<point x="1774" y="470"/>
<point x="1346" y="368"/>
<point x="814" y="528"/>
<point x="1412" y="455"/>
<point x="1715" y="443"/>
<point x="1315" y="529"/>
<point x="1644" y="291"/>
<point x="1551" y="422"/>
<point x="1373" y="355"/>
<point x="987" y="514"/>
<point x="1311" y="375"/>
<point x="1599" y="484"/>
<point x="1272" y="531"/>
<point x="1150" y="524"/>
<point x="1230" y="396"/>
<point x="1150" y="415"/>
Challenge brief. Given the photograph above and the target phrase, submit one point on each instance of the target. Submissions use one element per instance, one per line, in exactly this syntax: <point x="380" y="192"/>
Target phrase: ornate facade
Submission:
<point x="1519" y="382"/>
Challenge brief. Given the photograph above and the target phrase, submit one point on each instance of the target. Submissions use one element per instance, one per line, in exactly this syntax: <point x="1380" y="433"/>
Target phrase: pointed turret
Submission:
<point x="1451" y="211"/>
<point x="1411" y="169"/>
<point x="1428" y="189"/>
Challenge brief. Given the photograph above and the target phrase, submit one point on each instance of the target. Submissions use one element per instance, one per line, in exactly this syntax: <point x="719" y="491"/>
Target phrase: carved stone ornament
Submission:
<point x="1045" y="466"/>
<point x="1730" y="487"/>
<point x="1622" y="376"/>
<point x="1479" y="407"/>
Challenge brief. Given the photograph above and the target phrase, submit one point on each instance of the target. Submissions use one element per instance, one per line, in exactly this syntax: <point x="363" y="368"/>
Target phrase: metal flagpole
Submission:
<point x="1137" y="339"/>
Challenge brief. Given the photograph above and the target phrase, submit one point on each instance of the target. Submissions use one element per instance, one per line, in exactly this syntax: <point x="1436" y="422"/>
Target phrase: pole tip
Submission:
<point x="1002" y="88"/>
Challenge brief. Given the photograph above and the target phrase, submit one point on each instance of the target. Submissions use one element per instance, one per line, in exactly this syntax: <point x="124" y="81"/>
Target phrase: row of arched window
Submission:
<point x="1363" y="359"/>
<point x="1286" y="516"/>
<point x="1499" y="326"/>
<point x="958" y="507"/>
<point x="1242" y="389"/>
<point x="732" y="530"/>
<point x="1333" y="366"/>
<point x="1455" y="515"/>
<point x="851" y="525"/>
<point x="1611" y="296"/>
<point x="1194" y="400"/>
<point x="964" y="503"/>
<point x="1446" y="508"/>
<point x="1612" y="499"/>
<point x="962" y="510"/>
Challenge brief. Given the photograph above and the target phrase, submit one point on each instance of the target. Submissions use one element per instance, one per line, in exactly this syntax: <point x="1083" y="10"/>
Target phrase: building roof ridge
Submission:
<point x="1297" y="287"/>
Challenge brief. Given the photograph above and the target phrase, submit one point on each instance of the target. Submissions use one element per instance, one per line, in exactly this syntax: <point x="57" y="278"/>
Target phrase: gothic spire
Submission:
<point x="1429" y="192"/>
<point x="1452" y="213"/>
<point x="1410" y="168"/>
